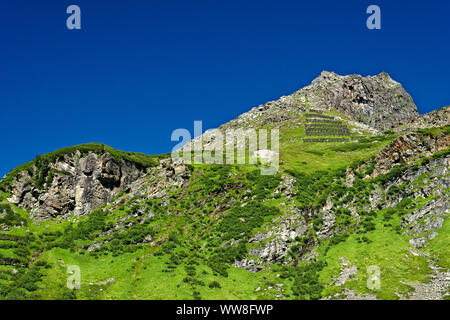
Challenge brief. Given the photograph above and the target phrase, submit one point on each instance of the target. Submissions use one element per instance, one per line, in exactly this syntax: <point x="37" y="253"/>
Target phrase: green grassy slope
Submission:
<point x="194" y="235"/>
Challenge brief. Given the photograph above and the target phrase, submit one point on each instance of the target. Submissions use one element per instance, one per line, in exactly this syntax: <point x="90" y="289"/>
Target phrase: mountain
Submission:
<point x="376" y="101"/>
<point x="357" y="210"/>
<point x="371" y="104"/>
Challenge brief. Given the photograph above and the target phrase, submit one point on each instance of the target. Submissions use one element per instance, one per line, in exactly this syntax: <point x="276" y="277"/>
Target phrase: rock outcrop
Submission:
<point x="377" y="101"/>
<point x="433" y="119"/>
<point x="80" y="183"/>
<point x="408" y="147"/>
<point x="168" y="174"/>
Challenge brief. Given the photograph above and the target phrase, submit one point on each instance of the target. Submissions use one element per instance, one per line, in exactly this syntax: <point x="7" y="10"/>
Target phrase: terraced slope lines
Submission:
<point x="318" y="124"/>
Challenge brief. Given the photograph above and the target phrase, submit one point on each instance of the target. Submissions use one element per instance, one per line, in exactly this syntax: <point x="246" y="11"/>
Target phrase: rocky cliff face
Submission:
<point x="77" y="184"/>
<point x="424" y="222"/>
<point x="377" y="101"/>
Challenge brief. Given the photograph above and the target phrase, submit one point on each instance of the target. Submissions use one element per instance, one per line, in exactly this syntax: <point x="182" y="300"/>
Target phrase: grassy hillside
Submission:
<point x="188" y="241"/>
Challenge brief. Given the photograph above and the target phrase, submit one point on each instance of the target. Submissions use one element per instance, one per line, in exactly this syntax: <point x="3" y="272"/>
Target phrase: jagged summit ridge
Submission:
<point x="374" y="102"/>
<point x="378" y="101"/>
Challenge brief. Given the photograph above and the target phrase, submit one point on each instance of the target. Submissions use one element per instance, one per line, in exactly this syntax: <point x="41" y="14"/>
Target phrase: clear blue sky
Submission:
<point x="140" y="69"/>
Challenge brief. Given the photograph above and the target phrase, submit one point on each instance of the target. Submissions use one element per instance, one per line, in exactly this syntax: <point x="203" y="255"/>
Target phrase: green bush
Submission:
<point x="389" y="213"/>
<point x="86" y="229"/>
<point x="306" y="284"/>
<point x="22" y="285"/>
<point x="241" y="221"/>
<point x="338" y="239"/>
<point x="317" y="223"/>
<point x="262" y="185"/>
<point x="213" y="178"/>
<point x="214" y="284"/>
<point x="396" y="189"/>
<point x="223" y="256"/>
<point x="11" y="218"/>
<point x="313" y="189"/>
<point x="395" y="172"/>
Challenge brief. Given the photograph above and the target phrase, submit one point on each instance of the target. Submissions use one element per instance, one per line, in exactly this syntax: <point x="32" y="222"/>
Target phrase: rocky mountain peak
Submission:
<point x="326" y="77"/>
<point x="377" y="101"/>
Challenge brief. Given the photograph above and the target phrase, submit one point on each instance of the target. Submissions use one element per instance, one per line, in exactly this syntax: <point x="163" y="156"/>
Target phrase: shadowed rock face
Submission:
<point x="79" y="184"/>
